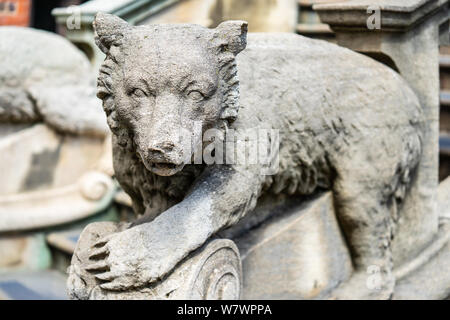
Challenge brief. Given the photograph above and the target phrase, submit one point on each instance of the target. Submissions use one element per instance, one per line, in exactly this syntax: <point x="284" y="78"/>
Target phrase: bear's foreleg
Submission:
<point x="146" y="252"/>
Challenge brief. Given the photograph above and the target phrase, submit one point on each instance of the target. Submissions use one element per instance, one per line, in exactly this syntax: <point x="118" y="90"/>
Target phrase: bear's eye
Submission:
<point x="137" y="93"/>
<point x="196" y="95"/>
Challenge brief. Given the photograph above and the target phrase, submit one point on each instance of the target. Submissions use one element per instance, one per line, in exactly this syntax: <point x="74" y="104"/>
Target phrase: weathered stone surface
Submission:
<point x="56" y="178"/>
<point x="396" y="15"/>
<point x="346" y="123"/>
<point x="43" y="77"/>
<point x="44" y="159"/>
<point x="426" y="276"/>
<point x="429" y="278"/>
<point x="299" y="254"/>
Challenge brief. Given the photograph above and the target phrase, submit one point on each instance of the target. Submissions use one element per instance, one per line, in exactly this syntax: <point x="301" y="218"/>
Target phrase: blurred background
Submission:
<point x="55" y="182"/>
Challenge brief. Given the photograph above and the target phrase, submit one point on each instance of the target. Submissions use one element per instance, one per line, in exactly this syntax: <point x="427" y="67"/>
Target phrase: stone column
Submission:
<point x="405" y="36"/>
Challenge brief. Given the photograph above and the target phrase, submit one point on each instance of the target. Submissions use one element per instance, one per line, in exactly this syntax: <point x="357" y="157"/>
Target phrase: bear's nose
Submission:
<point x="162" y="147"/>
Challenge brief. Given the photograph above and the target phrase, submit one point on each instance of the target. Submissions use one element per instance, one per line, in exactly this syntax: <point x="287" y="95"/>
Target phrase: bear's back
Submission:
<point x="287" y="77"/>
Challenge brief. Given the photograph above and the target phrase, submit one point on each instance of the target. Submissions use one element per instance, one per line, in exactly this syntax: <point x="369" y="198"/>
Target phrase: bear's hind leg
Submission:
<point x="367" y="225"/>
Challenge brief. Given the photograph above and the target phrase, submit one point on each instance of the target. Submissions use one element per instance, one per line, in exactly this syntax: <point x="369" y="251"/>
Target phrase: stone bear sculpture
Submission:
<point x="345" y="122"/>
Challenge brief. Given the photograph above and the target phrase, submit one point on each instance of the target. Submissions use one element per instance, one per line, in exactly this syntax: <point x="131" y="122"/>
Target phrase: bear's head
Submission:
<point x="159" y="82"/>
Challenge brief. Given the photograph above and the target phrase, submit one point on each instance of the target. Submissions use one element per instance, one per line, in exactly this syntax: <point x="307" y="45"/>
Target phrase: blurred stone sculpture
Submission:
<point x="346" y="123"/>
<point x="54" y="136"/>
<point x="45" y="78"/>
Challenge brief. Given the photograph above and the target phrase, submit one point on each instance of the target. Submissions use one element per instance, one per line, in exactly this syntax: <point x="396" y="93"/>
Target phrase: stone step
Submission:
<point x="313" y="29"/>
<point x="444" y="61"/>
<point x="64" y="241"/>
<point x="33" y="285"/>
<point x="444" y="143"/>
<point x="62" y="245"/>
<point x="310" y="3"/>
<point x="445" y="98"/>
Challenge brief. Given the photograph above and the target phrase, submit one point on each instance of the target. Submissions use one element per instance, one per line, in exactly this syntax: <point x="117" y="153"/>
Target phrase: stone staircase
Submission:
<point x="444" y="140"/>
<point x="33" y="285"/>
<point x="42" y="284"/>
<point x="309" y="23"/>
<point x="27" y="275"/>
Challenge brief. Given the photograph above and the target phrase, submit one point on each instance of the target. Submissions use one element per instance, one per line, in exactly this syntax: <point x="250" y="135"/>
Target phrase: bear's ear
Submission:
<point x="232" y="36"/>
<point x="109" y="29"/>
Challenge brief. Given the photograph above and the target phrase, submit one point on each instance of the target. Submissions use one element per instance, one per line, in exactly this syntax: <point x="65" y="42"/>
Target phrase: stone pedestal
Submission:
<point x="299" y="254"/>
<point x="407" y="40"/>
<point x="55" y="179"/>
<point x="212" y="272"/>
<point x="427" y="276"/>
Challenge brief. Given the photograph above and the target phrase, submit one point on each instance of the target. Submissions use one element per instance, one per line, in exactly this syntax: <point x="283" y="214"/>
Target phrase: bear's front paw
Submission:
<point x="127" y="259"/>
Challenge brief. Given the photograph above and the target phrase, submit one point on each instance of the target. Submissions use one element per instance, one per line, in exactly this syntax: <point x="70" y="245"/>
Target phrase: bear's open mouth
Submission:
<point x="165" y="168"/>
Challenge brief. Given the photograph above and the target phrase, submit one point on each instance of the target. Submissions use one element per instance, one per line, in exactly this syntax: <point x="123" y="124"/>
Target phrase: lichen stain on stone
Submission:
<point x="42" y="169"/>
